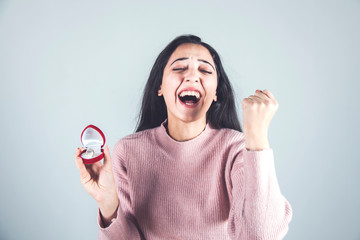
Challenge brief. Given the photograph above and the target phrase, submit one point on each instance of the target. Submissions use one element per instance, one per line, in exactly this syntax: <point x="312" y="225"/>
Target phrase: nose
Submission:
<point x="192" y="80"/>
<point x="192" y="76"/>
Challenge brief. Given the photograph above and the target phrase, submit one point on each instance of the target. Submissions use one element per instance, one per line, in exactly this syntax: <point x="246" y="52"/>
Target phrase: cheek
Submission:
<point x="211" y="87"/>
<point x="169" y="91"/>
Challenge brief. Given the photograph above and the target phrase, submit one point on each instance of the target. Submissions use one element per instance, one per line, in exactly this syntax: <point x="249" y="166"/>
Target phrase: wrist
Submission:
<point x="108" y="209"/>
<point x="256" y="142"/>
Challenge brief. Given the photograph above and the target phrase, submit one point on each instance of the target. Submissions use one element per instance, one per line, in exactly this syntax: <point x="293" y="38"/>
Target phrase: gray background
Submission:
<point x="66" y="64"/>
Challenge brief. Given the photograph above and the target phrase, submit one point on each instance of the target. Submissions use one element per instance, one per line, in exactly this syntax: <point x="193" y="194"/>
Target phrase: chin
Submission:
<point x="189" y="115"/>
<point x="188" y="118"/>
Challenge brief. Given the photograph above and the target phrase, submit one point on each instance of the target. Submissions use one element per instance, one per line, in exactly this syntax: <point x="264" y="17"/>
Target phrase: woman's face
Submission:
<point x="189" y="83"/>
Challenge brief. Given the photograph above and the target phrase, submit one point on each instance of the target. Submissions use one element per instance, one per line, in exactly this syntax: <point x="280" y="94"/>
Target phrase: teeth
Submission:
<point x="190" y="93"/>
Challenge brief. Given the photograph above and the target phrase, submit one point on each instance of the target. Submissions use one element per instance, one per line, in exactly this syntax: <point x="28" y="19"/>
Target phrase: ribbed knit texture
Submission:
<point x="209" y="187"/>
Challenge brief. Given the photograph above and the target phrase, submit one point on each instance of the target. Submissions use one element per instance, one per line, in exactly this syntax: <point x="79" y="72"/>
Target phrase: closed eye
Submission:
<point x="179" y="69"/>
<point x="204" y="71"/>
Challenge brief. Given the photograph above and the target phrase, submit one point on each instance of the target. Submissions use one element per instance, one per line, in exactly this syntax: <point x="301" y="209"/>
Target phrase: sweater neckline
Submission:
<point x="167" y="140"/>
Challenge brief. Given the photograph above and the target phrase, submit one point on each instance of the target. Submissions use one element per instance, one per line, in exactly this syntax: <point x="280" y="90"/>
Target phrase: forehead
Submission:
<point x="191" y="51"/>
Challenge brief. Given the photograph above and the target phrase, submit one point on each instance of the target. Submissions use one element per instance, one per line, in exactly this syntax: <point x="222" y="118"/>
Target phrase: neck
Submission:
<point x="184" y="131"/>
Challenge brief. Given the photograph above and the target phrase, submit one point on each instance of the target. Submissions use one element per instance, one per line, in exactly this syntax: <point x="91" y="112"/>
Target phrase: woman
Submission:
<point x="189" y="172"/>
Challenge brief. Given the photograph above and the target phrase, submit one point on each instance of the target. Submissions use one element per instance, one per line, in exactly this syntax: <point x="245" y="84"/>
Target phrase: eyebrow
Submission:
<point x="200" y="60"/>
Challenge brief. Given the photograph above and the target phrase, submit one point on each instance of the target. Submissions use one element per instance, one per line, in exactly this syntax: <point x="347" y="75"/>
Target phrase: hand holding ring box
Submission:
<point x="93" y="140"/>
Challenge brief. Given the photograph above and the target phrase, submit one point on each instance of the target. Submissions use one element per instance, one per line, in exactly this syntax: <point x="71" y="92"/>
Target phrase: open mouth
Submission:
<point x="189" y="98"/>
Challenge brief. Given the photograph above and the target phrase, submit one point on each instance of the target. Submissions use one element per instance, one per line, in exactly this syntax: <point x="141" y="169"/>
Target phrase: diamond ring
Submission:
<point x="89" y="153"/>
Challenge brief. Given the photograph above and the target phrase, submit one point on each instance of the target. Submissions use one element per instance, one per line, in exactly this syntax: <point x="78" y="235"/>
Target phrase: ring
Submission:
<point x="89" y="153"/>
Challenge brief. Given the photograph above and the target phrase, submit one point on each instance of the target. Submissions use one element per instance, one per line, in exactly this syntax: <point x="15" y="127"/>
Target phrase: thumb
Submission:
<point x="107" y="158"/>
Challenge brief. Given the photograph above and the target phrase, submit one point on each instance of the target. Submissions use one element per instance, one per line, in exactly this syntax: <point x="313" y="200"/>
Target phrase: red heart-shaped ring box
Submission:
<point x="93" y="140"/>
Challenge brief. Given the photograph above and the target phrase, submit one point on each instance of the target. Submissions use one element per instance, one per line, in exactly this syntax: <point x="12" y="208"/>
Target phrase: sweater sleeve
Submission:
<point x="124" y="226"/>
<point x="258" y="209"/>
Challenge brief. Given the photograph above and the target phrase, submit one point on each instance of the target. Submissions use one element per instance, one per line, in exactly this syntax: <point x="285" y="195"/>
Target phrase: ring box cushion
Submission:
<point x="93" y="140"/>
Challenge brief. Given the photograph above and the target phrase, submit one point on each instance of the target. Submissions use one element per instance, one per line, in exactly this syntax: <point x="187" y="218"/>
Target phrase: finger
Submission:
<point x="262" y="95"/>
<point x="269" y="94"/>
<point x="258" y="99"/>
<point x="272" y="97"/>
<point x="262" y="98"/>
<point x="77" y="154"/>
<point x="81" y="166"/>
<point x="245" y="102"/>
<point x="78" y="151"/>
<point x="107" y="158"/>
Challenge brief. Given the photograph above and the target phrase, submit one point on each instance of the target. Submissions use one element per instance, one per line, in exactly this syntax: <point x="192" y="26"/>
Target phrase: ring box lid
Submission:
<point x="92" y="136"/>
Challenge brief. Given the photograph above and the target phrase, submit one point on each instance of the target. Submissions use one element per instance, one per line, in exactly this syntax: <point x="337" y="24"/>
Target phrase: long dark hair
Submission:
<point x="221" y="114"/>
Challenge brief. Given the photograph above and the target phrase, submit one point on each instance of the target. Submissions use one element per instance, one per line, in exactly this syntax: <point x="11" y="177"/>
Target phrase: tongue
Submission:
<point x="189" y="102"/>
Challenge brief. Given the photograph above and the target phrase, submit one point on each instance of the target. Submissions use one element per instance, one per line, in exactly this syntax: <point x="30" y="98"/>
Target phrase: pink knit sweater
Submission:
<point x="209" y="187"/>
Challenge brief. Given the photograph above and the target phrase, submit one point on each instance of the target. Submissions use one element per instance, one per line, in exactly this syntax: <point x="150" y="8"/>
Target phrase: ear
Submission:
<point x="160" y="92"/>
<point x="215" y="98"/>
